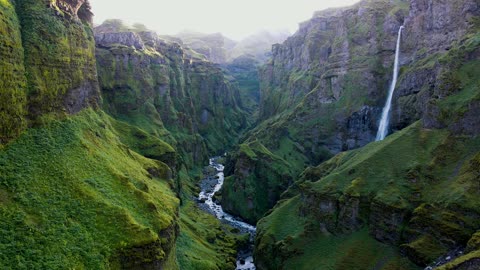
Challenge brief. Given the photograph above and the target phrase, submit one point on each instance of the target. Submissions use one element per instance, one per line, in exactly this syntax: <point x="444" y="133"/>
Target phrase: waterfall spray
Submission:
<point x="384" y="122"/>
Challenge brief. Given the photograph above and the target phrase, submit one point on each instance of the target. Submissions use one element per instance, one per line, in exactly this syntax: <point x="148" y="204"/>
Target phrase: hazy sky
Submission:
<point x="234" y="18"/>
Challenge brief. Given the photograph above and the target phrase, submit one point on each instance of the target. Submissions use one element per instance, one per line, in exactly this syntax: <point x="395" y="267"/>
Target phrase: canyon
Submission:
<point x="107" y="134"/>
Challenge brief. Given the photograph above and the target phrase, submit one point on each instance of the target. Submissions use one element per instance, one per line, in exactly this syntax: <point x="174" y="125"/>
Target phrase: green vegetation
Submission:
<point x="191" y="106"/>
<point x="204" y="243"/>
<point x="464" y="262"/>
<point x="244" y="71"/>
<point x="180" y="104"/>
<point x="305" y="109"/>
<point x="434" y="180"/>
<point x="12" y="80"/>
<point x="74" y="196"/>
<point x="253" y="190"/>
<point x="426" y="170"/>
<point x="59" y="60"/>
<point x="288" y="240"/>
<point x="86" y="189"/>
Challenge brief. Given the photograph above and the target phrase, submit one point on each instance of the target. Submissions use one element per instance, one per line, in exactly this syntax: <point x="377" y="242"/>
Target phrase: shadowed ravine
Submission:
<point x="209" y="187"/>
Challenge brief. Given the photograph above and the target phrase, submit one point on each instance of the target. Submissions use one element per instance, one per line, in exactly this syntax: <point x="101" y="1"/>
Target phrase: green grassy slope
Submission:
<point x="424" y="182"/>
<point x="417" y="190"/>
<point x="74" y="196"/>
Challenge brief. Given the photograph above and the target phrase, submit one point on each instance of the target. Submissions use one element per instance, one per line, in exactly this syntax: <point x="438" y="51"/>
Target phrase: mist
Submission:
<point x="235" y="19"/>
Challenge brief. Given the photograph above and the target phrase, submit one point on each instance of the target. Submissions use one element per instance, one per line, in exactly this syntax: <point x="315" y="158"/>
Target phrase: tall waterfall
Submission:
<point x="384" y="122"/>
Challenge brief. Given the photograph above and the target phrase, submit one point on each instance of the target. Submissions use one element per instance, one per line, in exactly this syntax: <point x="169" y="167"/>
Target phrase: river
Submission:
<point x="211" y="185"/>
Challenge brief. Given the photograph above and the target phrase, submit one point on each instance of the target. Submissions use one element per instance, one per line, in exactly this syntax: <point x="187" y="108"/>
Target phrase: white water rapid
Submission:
<point x="385" y="121"/>
<point x="212" y="185"/>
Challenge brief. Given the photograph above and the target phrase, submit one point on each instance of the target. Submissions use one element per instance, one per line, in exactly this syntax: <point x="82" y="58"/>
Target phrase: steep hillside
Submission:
<point x="83" y="189"/>
<point x="59" y="56"/>
<point x="74" y="196"/>
<point x="45" y="71"/>
<point x="417" y="191"/>
<point x="324" y="89"/>
<point x="13" y="81"/>
<point x="151" y="83"/>
<point x="171" y="93"/>
<point x="104" y="134"/>
<point x="72" y="192"/>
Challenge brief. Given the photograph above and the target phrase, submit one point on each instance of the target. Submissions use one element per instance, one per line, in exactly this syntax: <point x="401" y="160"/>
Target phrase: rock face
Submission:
<point x="255" y="169"/>
<point x="324" y="88"/>
<point x="57" y="72"/>
<point x="57" y="77"/>
<point x="214" y="47"/>
<point x="356" y="189"/>
<point x="245" y="71"/>
<point x="129" y="39"/>
<point x="152" y="83"/>
<point x="100" y="195"/>
<point x="328" y="82"/>
<point x="431" y="29"/>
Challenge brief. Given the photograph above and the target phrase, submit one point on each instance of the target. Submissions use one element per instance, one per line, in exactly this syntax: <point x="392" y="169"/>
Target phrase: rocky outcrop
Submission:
<point x="258" y="45"/>
<point x="324" y="89"/>
<point x="129" y="39"/>
<point x="325" y="86"/>
<point x="44" y="75"/>
<point x="153" y="256"/>
<point x="213" y="46"/>
<point x="222" y="50"/>
<point x="439" y="54"/>
<point x="431" y="27"/>
<point x="431" y="30"/>
<point x="181" y="98"/>
<point x="258" y="170"/>
<point x="76" y="9"/>
<point x="61" y="76"/>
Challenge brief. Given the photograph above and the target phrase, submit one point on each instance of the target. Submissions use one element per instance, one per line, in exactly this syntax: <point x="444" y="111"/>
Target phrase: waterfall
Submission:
<point x="384" y="122"/>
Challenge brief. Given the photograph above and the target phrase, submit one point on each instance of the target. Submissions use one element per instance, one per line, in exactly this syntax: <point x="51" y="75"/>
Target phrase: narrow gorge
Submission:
<point x="122" y="147"/>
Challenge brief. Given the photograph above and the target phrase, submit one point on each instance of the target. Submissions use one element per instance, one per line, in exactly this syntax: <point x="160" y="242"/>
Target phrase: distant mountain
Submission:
<point x="258" y="44"/>
<point x="215" y="46"/>
<point x="220" y="49"/>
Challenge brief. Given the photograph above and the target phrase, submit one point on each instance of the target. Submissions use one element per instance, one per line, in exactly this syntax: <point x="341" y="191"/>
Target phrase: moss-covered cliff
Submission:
<point x="170" y="93"/>
<point x="417" y="190"/>
<point x="59" y="56"/>
<point x="73" y="192"/>
<point x="13" y="81"/>
<point x="48" y="62"/>
<point x="154" y="84"/>
<point x="324" y="89"/>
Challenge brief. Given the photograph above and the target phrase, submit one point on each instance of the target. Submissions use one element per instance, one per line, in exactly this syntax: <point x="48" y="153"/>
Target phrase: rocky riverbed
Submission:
<point x="212" y="184"/>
